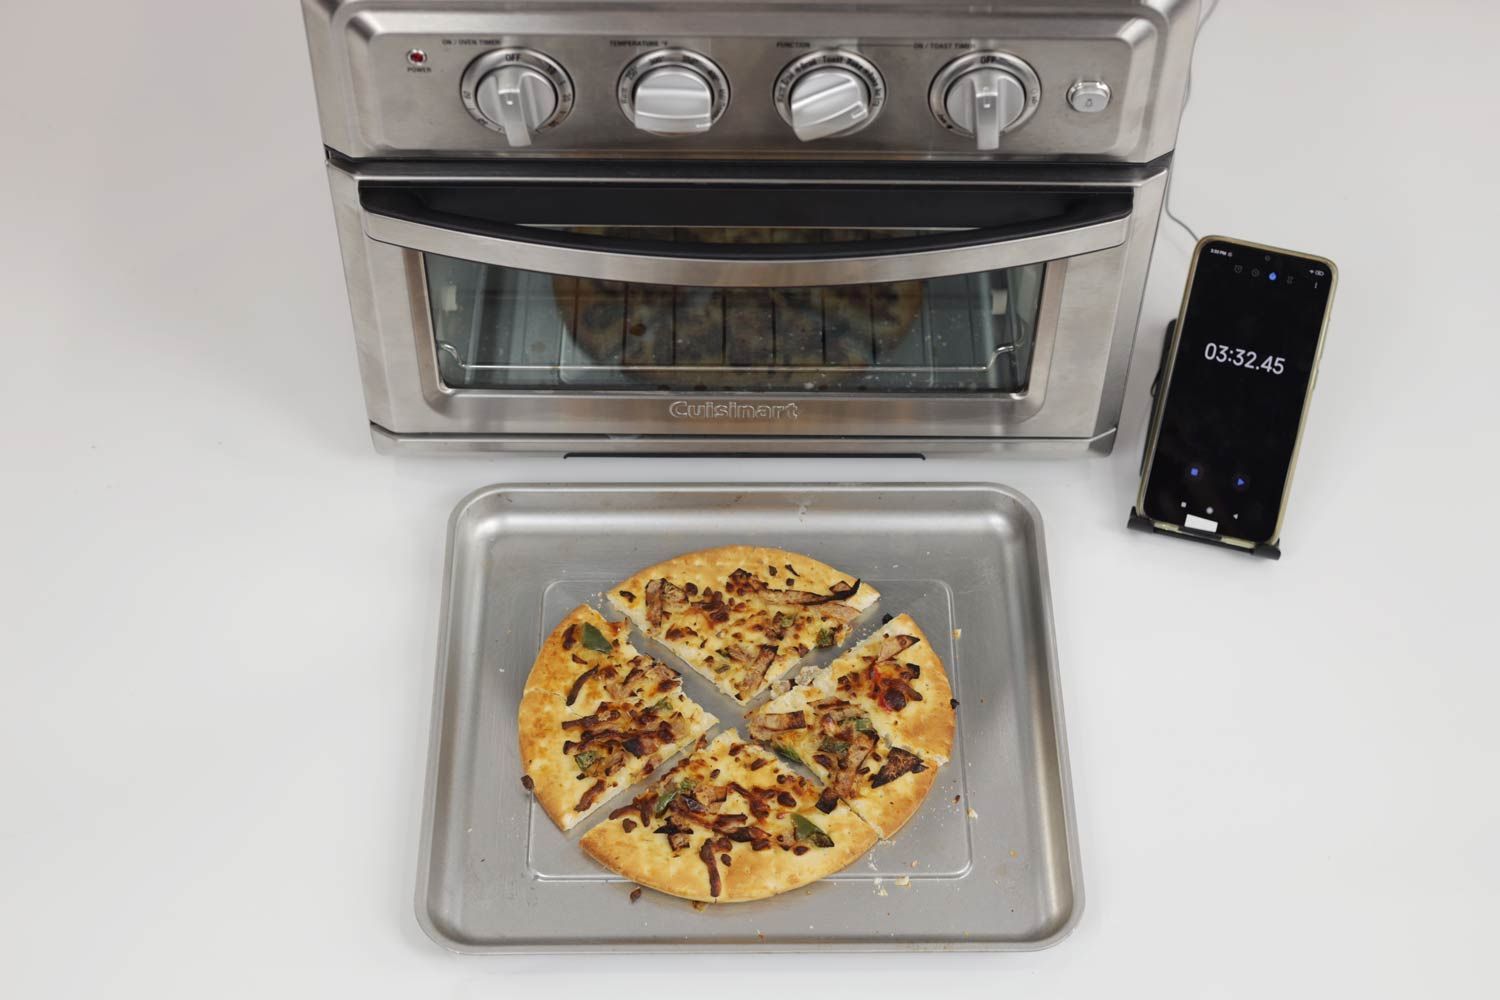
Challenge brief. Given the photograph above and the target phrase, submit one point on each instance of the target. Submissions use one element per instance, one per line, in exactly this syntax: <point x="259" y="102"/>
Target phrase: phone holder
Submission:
<point x="1140" y="522"/>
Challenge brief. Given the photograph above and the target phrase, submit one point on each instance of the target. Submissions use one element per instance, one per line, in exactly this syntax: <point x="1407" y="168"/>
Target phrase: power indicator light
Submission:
<point x="416" y="57"/>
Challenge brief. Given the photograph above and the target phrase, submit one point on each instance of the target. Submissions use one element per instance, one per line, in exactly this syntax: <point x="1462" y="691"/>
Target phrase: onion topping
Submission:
<point x="706" y="852"/>
<point x="579" y="683"/>
<point x="805" y="598"/>
<point x="589" y="796"/>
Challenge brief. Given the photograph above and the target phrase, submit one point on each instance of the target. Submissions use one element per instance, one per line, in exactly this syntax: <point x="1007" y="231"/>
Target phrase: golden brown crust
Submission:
<point x="548" y="723"/>
<point x="643" y="852"/>
<point x="752" y="580"/>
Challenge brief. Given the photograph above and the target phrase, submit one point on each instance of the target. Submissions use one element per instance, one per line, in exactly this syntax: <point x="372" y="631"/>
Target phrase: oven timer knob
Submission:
<point x="518" y="92"/>
<point x="831" y="92"/>
<point x="985" y="95"/>
<point x="673" y="92"/>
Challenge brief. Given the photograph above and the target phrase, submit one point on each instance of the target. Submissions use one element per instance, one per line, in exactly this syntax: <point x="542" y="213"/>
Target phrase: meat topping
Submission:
<point x="897" y="763"/>
<point x="781" y="722"/>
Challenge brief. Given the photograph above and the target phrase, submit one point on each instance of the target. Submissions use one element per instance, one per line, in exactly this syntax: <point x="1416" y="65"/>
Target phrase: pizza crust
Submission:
<point x="711" y="569"/>
<point x="644" y="855"/>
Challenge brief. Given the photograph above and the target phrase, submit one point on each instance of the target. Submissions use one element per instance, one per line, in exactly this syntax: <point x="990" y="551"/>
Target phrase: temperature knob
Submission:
<point x="985" y="95"/>
<point x="673" y="92"/>
<point x="829" y="93"/>
<point x="518" y="92"/>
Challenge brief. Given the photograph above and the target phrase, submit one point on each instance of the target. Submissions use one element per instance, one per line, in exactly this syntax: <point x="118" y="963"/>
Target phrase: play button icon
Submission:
<point x="1241" y="483"/>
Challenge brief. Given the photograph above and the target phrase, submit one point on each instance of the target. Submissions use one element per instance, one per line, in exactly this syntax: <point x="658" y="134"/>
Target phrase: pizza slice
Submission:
<point x="875" y="725"/>
<point x="597" y="716"/>
<point x="741" y="615"/>
<point x="729" y="823"/>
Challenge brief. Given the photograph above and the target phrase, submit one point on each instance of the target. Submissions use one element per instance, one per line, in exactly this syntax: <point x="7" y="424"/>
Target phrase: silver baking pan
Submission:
<point x="990" y="863"/>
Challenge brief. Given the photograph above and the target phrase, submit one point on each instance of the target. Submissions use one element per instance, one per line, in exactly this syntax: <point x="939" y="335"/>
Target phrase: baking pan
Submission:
<point x="989" y="863"/>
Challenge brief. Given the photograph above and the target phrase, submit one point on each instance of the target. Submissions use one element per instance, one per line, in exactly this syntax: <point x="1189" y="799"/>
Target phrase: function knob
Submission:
<point x="828" y="93"/>
<point x="518" y="92"/>
<point x="985" y="95"/>
<point x="673" y="92"/>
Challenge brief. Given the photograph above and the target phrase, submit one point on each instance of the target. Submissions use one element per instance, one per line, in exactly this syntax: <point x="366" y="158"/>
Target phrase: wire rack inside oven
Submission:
<point x="503" y="328"/>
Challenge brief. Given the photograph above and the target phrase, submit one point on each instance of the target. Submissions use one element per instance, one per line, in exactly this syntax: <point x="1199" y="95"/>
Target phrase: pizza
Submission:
<point x="735" y="818"/>
<point x="790" y="332"/>
<point x="743" y="616"/>
<point x="597" y="716"/>
<point x="729" y="823"/>
<point x="874" y="725"/>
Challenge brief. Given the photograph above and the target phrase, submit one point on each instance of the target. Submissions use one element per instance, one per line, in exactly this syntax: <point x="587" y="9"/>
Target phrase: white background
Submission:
<point x="218" y="606"/>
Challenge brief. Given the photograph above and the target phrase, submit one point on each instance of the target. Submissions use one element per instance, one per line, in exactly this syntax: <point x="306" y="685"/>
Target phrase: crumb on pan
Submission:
<point x="958" y="633"/>
<point x="972" y="813"/>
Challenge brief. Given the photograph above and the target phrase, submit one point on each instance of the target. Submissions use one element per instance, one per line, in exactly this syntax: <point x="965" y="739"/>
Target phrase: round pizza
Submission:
<point x="735" y="819"/>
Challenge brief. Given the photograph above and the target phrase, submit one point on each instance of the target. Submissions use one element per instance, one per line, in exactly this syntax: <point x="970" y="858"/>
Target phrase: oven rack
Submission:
<point x="509" y="328"/>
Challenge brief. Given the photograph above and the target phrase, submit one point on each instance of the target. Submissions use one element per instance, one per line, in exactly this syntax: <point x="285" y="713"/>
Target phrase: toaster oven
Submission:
<point x="754" y="227"/>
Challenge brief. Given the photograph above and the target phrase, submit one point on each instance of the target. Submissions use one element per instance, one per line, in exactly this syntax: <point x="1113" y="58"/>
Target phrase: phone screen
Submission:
<point x="1227" y="431"/>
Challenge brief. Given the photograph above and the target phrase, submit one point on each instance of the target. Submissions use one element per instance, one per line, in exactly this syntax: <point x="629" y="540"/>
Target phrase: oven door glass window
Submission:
<point x="506" y="328"/>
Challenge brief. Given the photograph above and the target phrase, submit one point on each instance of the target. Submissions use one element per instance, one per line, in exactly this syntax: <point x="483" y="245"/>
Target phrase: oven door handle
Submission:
<point x="1096" y="225"/>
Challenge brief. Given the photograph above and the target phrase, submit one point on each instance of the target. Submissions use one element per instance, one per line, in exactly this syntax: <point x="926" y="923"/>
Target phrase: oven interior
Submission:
<point x="507" y="328"/>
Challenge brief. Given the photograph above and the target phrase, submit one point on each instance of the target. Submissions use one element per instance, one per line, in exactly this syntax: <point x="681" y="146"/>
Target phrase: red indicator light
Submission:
<point x="416" y="57"/>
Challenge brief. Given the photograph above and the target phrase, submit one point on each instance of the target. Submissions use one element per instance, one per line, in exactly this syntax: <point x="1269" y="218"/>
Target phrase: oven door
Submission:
<point x="639" y="306"/>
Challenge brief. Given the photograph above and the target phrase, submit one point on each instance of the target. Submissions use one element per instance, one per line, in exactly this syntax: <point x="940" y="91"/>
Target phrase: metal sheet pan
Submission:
<point x="989" y="863"/>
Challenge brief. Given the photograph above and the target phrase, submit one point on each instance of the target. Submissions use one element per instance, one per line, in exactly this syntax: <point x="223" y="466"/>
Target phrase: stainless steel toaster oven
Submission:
<point x="747" y="227"/>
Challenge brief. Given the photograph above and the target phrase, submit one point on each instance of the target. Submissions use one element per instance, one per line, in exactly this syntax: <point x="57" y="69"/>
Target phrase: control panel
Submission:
<point x="1088" y="89"/>
<point x="821" y="95"/>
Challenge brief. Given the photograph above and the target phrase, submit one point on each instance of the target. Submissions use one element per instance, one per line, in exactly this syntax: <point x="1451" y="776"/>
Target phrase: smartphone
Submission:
<point x="1237" y="378"/>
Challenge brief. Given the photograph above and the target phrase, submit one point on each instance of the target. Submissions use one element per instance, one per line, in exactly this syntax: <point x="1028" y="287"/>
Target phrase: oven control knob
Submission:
<point x="829" y="93"/>
<point x="518" y="99"/>
<point x="984" y="95"/>
<point x="518" y="92"/>
<point x="673" y="92"/>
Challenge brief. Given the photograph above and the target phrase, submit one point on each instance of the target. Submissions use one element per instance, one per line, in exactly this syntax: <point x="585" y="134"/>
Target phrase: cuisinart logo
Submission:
<point x="684" y="410"/>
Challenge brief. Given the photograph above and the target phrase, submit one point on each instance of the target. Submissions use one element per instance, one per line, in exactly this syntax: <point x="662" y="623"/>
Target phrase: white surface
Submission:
<point x="218" y="606"/>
